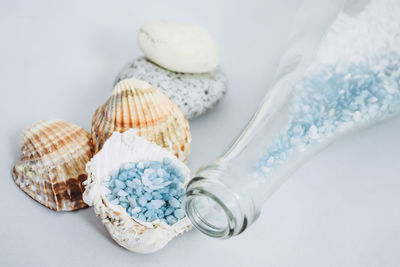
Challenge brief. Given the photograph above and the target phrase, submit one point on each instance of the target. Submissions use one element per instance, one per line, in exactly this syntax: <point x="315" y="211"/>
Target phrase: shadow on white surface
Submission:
<point x="88" y="215"/>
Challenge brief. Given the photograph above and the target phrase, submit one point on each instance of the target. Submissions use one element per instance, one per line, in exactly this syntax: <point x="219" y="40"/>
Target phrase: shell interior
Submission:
<point x="129" y="232"/>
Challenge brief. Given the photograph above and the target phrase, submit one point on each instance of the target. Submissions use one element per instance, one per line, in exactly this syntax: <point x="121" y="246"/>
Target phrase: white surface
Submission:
<point x="58" y="59"/>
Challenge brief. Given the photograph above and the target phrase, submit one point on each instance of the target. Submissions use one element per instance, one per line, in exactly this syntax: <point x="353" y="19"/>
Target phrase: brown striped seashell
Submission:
<point x="52" y="165"/>
<point x="135" y="104"/>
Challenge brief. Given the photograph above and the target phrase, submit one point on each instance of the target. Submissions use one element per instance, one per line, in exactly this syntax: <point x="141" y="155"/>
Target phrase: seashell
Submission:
<point x="51" y="169"/>
<point x="129" y="232"/>
<point x="136" y="104"/>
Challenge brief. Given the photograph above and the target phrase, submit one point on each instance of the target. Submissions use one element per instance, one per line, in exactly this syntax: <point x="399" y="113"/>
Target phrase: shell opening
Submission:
<point x="148" y="190"/>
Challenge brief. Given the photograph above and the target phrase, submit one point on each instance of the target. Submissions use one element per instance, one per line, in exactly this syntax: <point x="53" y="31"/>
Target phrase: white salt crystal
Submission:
<point x="122" y="193"/>
<point x="157" y="203"/>
<point x="357" y="116"/>
<point x="372" y="99"/>
<point x="148" y="171"/>
<point x="136" y="210"/>
<point x="372" y="111"/>
<point x="313" y="132"/>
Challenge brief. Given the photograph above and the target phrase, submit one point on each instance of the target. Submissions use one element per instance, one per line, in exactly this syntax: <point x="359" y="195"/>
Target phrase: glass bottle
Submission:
<point x="353" y="81"/>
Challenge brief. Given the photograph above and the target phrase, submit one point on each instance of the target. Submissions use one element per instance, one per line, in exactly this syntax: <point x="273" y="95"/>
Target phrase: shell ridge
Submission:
<point x="69" y="170"/>
<point x="40" y="131"/>
<point x="149" y="118"/>
<point x="129" y="107"/>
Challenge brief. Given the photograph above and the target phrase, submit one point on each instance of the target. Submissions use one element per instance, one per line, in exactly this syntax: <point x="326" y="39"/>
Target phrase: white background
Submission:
<point x="58" y="59"/>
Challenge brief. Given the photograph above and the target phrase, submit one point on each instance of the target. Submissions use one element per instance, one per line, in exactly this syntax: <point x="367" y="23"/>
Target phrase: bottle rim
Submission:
<point x="208" y="212"/>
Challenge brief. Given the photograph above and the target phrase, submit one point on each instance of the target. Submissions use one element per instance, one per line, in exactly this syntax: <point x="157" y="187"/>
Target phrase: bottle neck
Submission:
<point x="226" y="196"/>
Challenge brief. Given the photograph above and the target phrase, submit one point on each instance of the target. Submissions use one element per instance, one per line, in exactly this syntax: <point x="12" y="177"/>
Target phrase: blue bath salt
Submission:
<point x="331" y="100"/>
<point x="148" y="190"/>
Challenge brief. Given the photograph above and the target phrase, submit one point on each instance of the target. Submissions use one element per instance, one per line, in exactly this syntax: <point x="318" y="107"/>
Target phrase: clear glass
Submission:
<point x="333" y="79"/>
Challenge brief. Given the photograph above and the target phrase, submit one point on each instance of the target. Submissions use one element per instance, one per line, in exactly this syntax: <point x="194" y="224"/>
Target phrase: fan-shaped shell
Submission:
<point x="51" y="168"/>
<point x="138" y="105"/>
<point x="127" y="231"/>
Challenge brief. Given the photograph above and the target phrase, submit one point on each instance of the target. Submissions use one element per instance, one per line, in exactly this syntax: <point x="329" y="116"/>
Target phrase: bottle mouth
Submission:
<point x="208" y="214"/>
<point x="208" y="206"/>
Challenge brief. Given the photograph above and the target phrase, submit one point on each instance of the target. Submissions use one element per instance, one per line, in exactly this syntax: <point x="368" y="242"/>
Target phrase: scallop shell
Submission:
<point x="136" y="104"/>
<point x="51" y="169"/>
<point x="127" y="231"/>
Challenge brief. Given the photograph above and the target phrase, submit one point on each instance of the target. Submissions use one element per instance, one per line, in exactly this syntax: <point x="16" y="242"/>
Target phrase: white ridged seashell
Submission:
<point x="127" y="231"/>
<point x="51" y="168"/>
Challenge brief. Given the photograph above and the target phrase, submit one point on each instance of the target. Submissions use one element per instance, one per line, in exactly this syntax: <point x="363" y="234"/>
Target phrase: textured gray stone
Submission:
<point x="194" y="94"/>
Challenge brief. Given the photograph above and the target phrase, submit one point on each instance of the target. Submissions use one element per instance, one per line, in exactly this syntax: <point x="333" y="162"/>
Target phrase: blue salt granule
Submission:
<point x="179" y="213"/>
<point x="148" y="190"/>
<point x="331" y="100"/>
<point x="171" y="219"/>
<point x="173" y="202"/>
<point x="169" y="211"/>
<point x="120" y="184"/>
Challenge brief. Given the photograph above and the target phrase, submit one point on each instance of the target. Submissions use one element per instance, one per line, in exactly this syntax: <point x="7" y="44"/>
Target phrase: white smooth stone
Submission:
<point x="179" y="46"/>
